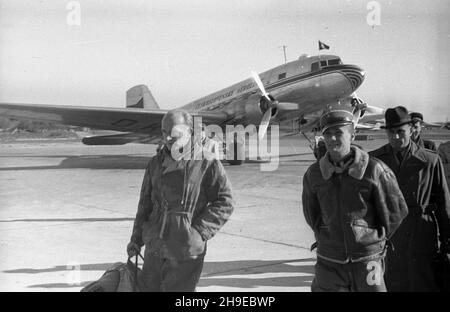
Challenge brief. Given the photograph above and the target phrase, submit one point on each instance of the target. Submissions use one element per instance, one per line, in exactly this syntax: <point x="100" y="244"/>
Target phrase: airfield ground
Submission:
<point x="67" y="212"/>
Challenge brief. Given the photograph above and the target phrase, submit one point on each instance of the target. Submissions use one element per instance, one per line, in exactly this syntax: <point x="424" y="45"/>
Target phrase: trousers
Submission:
<point x="364" y="276"/>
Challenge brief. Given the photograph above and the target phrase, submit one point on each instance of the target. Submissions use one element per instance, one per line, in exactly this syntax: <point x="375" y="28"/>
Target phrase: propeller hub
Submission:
<point x="266" y="104"/>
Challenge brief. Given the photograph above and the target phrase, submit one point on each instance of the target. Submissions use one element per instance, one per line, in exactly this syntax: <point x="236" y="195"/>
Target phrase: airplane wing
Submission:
<point x="368" y="126"/>
<point x="136" y="120"/>
<point x="438" y="125"/>
<point x="121" y="138"/>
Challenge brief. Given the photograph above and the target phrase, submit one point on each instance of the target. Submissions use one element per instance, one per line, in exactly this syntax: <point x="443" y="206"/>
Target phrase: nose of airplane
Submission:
<point x="354" y="74"/>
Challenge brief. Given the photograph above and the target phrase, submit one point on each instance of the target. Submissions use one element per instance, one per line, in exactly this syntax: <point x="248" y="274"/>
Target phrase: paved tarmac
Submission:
<point x="67" y="212"/>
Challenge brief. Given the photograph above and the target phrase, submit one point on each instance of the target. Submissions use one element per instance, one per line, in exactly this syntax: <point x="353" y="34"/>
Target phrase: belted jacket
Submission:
<point x="354" y="212"/>
<point x="182" y="205"/>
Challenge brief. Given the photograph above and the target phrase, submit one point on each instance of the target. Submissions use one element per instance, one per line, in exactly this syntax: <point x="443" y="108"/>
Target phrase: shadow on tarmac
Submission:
<point x="59" y="285"/>
<point x="111" y="162"/>
<point x="83" y="267"/>
<point x="217" y="277"/>
<point x="70" y="220"/>
<point x="214" y="273"/>
<point x="91" y="162"/>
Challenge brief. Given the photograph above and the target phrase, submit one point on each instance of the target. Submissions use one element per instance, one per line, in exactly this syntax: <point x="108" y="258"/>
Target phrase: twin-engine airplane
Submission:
<point x="299" y="90"/>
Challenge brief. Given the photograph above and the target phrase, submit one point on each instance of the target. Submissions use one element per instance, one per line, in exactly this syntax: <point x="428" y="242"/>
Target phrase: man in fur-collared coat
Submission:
<point x="353" y="204"/>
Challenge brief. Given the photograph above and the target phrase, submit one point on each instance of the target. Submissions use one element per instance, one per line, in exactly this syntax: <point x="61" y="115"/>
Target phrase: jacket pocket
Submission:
<point x="183" y="239"/>
<point x="327" y="236"/>
<point x="196" y="243"/>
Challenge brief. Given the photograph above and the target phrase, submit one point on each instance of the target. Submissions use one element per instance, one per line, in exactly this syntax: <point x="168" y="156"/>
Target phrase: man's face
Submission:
<point x="416" y="129"/>
<point x="338" y="141"/>
<point x="174" y="129"/>
<point x="399" y="137"/>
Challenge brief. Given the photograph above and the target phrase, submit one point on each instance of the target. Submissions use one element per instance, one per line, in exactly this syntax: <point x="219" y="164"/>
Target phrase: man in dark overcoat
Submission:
<point x="421" y="178"/>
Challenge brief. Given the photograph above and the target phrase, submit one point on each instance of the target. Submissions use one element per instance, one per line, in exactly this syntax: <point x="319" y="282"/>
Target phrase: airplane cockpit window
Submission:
<point x="334" y="62"/>
<point x="315" y="66"/>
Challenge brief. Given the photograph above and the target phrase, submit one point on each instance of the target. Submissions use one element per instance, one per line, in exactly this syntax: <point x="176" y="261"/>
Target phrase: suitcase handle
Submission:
<point x="135" y="284"/>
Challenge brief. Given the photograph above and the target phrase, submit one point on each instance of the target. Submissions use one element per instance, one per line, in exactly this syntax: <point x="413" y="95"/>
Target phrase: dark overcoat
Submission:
<point x="422" y="181"/>
<point x="426" y="144"/>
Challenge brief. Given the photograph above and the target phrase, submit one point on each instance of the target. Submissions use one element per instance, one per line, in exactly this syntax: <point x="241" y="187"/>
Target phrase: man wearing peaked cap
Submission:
<point x="353" y="203"/>
<point x="416" y="116"/>
<point x="417" y="121"/>
<point x="335" y="118"/>
<point x="339" y="117"/>
<point x="421" y="178"/>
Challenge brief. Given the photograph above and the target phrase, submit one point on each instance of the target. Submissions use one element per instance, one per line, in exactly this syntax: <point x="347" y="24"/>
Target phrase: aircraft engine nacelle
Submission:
<point x="255" y="110"/>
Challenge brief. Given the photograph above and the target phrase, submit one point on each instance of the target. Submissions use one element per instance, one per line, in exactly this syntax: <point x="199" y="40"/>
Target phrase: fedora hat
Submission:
<point x="396" y="117"/>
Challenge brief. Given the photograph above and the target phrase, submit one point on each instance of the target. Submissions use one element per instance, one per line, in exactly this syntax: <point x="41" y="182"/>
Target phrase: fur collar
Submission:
<point x="356" y="169"/>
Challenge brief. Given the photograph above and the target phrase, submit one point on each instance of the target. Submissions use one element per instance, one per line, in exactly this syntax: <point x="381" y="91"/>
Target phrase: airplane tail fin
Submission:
<point x="140" y="97"/>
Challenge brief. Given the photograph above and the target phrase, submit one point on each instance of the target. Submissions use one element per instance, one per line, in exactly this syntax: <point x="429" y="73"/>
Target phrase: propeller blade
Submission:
<point x="373" y="110"/>
<point x="286" y="106"/>
<point x="265" y="120"/>
<point x="258" y="81"/>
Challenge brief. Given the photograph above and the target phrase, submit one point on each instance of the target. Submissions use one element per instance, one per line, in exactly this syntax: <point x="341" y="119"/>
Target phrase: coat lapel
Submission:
<point x="414" y="162"/>
<point x="389" y="159"/>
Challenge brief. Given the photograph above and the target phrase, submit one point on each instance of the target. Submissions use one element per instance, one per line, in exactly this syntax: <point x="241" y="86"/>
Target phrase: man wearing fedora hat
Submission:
<point x="421" y="178"/>
<point x="353" y="203"/>
<point x="417" y="122"/>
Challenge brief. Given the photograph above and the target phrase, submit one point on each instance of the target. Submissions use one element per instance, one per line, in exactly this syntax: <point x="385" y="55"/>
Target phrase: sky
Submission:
<point x="184" y="50"/>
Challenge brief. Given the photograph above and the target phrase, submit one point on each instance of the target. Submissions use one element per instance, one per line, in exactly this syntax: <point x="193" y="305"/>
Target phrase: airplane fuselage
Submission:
<point x="311" y="82"/>
<point x="297" y="90"/>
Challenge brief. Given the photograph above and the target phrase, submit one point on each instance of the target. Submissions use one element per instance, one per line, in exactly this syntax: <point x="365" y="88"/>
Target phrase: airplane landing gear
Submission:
<point x="238" y="153"/>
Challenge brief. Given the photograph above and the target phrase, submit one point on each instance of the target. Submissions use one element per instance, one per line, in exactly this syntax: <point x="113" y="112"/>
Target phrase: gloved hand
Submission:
<point x="133" y="249"/>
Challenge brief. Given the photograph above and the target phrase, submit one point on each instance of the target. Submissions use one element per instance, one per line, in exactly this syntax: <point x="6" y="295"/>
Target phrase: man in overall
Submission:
<point x="353" y="204"/>
<point x="184" y="202"/>
<point x="417" y="123"/>
<point x="421" y="177"/>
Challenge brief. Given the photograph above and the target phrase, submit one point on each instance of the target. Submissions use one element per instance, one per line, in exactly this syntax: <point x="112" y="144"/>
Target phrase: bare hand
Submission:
<point x="133" y="249"/>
